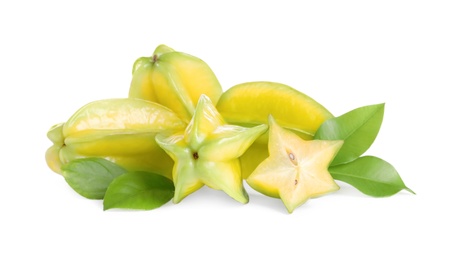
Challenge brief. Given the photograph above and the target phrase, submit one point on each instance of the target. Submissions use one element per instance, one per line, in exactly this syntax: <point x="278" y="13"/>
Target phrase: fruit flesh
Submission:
<point x="296" y="169"/>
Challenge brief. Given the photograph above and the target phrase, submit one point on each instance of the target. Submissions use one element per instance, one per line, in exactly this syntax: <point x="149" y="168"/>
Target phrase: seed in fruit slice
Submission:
<point x="207" y="153"/>
<point x="296" y="169"/>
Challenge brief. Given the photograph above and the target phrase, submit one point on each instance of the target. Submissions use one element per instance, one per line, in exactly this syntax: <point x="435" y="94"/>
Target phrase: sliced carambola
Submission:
<point x="296" y="169"/>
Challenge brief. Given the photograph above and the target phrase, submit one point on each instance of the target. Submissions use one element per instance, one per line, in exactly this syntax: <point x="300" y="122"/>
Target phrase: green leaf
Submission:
<point x="139" y="190"/>
<point x="358" y="128"/>
<point x="90" y="177"/>
<point x="371" y="175"/>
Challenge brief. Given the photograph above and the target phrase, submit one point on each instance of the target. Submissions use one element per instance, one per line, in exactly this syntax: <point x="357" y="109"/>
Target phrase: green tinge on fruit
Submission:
<point x="120" y="130"/>
<point x="148" y="61"/>
<point x="175" y="80"/>
<point x="161" y="49"/>
<point x="251" y="103"/>
<point x="207" y="153"/>
<point x="53" y="158"/>
<point x="55" y="133"/>
<point x="153" y="160"/>
<point x="141" y="80"/>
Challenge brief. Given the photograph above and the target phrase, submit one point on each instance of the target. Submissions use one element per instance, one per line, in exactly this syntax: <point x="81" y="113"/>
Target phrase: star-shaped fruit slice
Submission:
<point x="207" y="153"/>
<point x="296" y="169"/>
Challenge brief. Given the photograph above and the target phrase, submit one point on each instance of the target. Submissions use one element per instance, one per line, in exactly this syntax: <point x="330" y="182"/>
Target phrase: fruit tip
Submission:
<point x="139" y="63"/>
<point x="204" y="97"/>
<point x="161" y="49"/>
<point x="270" y="119"/>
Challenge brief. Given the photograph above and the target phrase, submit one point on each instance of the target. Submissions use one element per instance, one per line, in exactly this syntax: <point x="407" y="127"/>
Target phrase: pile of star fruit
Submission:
<point x="178" y="131"/>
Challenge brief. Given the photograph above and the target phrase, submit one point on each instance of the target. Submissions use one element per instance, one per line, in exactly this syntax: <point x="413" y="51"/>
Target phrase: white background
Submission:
<point x="57" y="56"/>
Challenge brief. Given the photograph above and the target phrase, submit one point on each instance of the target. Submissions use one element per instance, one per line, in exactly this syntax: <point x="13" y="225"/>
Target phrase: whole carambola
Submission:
<point x="207" y="152"/>
<point x="120" y="130"/>
<point x="175" y="80"/>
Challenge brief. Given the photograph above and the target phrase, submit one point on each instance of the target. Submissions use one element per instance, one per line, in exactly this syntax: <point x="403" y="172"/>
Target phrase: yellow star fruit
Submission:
<point x="175" y="80"/>
<point x="296" y="169"/>
<point x="207" y="153"/>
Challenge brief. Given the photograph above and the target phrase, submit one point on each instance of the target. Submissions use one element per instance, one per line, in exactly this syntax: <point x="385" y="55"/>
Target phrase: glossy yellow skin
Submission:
<point x="175" y="80"/>
<point x="251" y="103"/>
<point x="120" y="130"/>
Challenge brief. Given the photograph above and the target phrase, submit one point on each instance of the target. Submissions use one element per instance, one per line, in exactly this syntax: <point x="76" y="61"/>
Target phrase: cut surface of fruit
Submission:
<point x="296" y="169"/>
